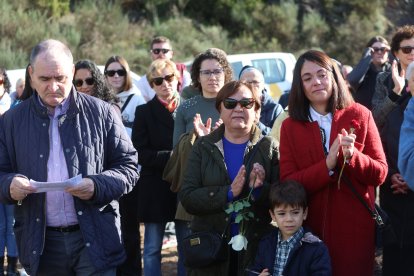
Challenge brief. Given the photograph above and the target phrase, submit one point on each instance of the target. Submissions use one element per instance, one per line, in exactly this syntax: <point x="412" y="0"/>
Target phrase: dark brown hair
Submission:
<point x="299" y="103"/>
<point x="288" y="192"/>
<point x="231" y="88"/>
<point x="125" y="66"/>
<point x="377" y="38"/>
<point x="402" y="33"/>
<point x="212" y="53"/>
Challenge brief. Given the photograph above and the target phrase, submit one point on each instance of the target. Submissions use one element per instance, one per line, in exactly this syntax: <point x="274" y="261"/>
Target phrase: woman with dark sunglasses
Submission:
<point x="152" y="137"/>
<point x="363" y="77"/>
<point x="391" y="86"/>
<point x="118" y="75"/>
<point x="395" y="196"/>
<point x="88" y="79"/>
<point x="225" y="166"/>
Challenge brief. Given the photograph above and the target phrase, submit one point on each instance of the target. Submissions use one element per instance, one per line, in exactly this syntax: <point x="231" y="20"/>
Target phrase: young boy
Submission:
<point x="290" y="249"/>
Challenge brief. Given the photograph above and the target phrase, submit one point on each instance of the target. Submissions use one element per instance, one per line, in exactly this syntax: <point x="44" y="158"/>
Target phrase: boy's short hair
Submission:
<point x="289" y="192"/>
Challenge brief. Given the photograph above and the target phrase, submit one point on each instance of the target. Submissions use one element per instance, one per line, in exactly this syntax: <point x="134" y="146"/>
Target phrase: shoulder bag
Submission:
<point x="384" y="232"/>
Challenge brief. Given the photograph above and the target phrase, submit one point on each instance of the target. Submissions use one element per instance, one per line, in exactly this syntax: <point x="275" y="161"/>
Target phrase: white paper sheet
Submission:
<point x="42" y="187"/>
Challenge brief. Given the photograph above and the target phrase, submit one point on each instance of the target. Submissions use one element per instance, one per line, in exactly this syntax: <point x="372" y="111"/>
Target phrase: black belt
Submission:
<point x="66" y="229"/>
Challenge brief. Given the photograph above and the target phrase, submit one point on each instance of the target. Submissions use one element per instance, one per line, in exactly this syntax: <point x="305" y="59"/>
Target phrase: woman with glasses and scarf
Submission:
<point x="330" y="144"/>
<point x="88" y="79"/>
<point x="363" y="77"/>
<point x="118" y="75"/>
<point x="227" y="165"/>
<point x="152" y="136"/>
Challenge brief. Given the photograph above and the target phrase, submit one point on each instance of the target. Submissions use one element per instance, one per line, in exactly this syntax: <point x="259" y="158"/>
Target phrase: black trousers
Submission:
<point x="131" y="235"/>
<point x="398" y="261"/>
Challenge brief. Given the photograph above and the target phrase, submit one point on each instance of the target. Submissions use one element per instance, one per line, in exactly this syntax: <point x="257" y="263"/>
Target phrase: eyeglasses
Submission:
<point x="112" y="73"/>
<point x="230" y="103"/>
<point x="407" y="49"/>
<point x="79" y="82"/>
<point x="208" y="73"/>
<point x="253" y="82"/>
<point x="158" y="50"/>
<point x="381" y="49"/>
<point x="160" y="80"/>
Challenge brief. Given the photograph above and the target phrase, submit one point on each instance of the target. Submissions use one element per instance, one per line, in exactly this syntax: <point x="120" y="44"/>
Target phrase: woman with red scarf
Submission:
<point x="152" y="136"/>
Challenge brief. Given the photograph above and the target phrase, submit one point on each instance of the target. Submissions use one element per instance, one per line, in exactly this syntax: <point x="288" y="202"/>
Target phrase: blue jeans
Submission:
<point x="7" y="238"/>
<point x="154" y="234"/>
<point x="182" y="230"/>
<point x="65" y="254"/>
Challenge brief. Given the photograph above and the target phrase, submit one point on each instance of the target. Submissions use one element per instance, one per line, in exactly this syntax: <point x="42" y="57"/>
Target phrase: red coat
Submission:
<point x="336" y="216"/>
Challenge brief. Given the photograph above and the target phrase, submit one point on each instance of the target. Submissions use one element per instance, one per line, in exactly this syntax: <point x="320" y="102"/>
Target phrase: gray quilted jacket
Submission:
<point x="95" y="145"/>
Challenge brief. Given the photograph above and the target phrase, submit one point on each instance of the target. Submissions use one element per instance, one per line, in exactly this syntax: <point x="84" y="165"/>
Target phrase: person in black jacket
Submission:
<point x="362" y="78"/>
<point x="395" y="196"/>
<point x="290" y="249"/>
<point x="152" y="136"/>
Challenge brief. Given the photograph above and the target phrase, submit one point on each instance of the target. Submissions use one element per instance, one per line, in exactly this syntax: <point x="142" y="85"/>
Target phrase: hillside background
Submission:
<point x="97" y="29"/>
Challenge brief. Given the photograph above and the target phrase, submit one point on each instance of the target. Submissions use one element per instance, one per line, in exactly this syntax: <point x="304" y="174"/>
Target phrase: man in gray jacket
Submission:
<point x="53" y="136"/>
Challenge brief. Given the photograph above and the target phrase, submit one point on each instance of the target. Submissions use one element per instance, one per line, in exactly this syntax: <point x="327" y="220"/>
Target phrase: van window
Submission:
<point x="274" y="69"/>
<point x="237" y="66"/>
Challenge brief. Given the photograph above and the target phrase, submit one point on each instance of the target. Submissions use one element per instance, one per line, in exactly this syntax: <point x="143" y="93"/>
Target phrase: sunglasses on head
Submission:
<point x="407" y="49"/>
<point x="158" y="50"/>
<point x="380" y="49"/>
<point x="111" y="73"/>
<point x="160" y="80"/>
<point x="79" y="82"/>
<point x="230" y="103"/>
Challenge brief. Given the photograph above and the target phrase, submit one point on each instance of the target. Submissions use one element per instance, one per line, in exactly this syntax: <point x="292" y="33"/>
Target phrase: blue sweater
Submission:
<point x="309" y="257"/>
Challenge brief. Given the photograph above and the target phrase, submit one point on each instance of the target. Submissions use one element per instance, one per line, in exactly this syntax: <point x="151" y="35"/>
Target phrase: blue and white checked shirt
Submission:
<point x="283" y="249"/>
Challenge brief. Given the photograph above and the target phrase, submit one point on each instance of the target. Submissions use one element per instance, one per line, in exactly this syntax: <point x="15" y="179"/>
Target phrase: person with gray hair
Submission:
<point x="67" y="217"/>
<point x="270" y="109"/>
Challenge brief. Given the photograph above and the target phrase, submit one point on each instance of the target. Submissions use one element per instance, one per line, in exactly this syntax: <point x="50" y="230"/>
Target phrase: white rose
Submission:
<point x="238" y="242"/>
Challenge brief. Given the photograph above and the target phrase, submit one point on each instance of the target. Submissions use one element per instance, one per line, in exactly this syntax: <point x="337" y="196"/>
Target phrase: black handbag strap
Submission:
<point x="126" y="102"/>
<point x="373" y="212"/>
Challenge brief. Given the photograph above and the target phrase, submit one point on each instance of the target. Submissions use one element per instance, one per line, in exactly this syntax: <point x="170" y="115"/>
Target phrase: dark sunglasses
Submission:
<point x="157" y="51"/>
<point x="79" y="82"/>
<point x="160" y="80"/>
<point x="230" y="103"/>
<point x="407" y="49"/>
<point x="382" y="49"/>
<point x="111" y="73"/>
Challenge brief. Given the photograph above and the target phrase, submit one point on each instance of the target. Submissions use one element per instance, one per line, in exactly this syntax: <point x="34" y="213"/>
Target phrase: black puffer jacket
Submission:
<point x="95" y="145"/>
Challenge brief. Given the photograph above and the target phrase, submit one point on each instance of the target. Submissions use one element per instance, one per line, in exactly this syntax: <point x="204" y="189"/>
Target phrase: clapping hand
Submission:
<point x="200" y="128"/>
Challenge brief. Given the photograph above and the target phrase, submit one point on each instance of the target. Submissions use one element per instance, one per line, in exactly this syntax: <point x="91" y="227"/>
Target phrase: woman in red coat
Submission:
<point x="324" y="128"/>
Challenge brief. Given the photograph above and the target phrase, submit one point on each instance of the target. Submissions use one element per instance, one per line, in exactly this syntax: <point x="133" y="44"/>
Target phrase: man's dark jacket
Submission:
<point x="95" y="145"/>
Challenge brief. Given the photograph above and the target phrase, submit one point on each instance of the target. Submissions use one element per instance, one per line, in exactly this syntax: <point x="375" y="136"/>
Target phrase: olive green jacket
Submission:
<point x="206" y="184"/>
